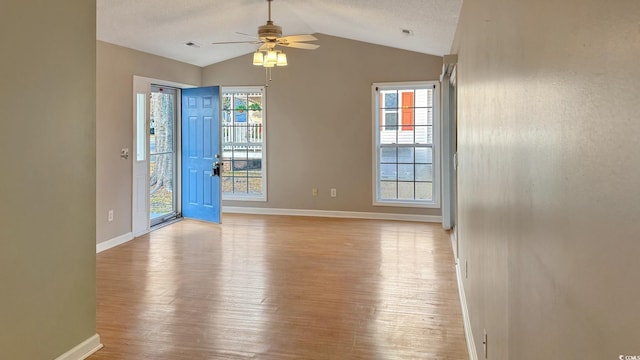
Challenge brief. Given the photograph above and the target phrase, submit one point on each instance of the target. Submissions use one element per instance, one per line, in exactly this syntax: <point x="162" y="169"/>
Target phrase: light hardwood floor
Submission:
<point x="273" y="287"/>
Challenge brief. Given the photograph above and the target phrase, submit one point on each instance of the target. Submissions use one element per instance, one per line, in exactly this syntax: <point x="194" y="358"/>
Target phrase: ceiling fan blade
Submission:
<point x="300" y="45"/>
<point x="244" y="34"/>
<point x="298" y="38"/>
<point x="235" y="42"/>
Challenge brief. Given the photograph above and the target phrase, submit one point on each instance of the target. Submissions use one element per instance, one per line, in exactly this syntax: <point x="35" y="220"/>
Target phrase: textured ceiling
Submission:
<point x="162" y="27"/>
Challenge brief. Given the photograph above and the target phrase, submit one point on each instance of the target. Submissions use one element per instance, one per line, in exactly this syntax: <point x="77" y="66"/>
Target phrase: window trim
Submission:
<point x="435" y="203"/>
<point x="249" y="197"/>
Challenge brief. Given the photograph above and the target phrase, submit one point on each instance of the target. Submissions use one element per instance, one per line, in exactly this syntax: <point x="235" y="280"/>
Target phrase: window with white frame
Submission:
<point x="244" y="175"/>
<point x="405" y="149"/>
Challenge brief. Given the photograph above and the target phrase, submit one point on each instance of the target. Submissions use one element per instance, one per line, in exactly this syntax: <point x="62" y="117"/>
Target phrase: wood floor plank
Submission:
<point x="272" y="287"/>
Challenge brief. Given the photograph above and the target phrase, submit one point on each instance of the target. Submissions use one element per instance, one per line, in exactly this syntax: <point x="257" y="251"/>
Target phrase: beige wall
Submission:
<point x="548" y="177"/>
<point x="319" y="120"/>
<point x="336" y="138"/>
<point x="47" y="187"/>
<point x="116" y="67"/>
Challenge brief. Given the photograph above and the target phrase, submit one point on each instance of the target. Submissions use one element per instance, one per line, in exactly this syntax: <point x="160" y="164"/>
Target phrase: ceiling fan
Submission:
<point x="270" y="36"/>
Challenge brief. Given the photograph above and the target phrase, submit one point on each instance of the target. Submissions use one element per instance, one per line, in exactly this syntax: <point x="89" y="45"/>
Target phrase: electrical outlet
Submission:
<point x="314" y="192"/>
<point x="110" y="216"/>
<point x="333" y="192"/>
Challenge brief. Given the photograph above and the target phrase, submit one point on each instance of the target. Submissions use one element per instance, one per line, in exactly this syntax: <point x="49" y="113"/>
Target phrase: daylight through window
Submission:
<point x="243" y="144"/>
<point x="405" y="122"/>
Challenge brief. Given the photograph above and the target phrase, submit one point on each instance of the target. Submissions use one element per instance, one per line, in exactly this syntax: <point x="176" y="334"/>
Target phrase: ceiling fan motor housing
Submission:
<point x="270" y="31"/>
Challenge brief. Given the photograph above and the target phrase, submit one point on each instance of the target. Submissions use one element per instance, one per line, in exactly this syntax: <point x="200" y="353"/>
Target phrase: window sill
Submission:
<point x="425" y="204"/>
<point x="257" y="198"/>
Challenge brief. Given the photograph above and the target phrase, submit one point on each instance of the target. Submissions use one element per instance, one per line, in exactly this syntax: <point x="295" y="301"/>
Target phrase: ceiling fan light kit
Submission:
<point x="270" y="36"/>
<point x="270" y="58"/>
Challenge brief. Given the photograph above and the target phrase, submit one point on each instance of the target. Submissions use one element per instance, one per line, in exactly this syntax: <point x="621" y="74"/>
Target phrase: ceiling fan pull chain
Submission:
<point x="267" y="76"/>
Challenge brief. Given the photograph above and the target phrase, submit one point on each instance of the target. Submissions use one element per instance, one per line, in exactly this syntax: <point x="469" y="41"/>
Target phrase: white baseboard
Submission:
<point x="331" y="214"/>
<point x="106" y="245"/>
<point x="471" y="345"/>
<point x="83" y="350"/>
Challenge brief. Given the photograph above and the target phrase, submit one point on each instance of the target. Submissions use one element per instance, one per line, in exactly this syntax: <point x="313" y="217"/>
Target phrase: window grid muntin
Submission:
<point x="404" y="163"/>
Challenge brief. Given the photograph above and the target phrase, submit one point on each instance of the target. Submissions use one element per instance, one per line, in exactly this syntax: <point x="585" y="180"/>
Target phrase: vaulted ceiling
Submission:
<point x="162" y="27"/>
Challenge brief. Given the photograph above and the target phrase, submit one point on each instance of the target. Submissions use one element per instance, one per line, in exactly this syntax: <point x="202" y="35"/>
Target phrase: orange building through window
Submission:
<point x="407" y="111"/>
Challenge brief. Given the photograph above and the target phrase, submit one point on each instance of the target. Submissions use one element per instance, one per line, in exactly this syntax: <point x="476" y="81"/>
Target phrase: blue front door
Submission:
<point x="200" y="153"/>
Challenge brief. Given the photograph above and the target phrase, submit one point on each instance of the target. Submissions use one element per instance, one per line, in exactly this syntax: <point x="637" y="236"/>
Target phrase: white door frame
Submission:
<point x="140" y="223"/>
<point x="448" y="141"/>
